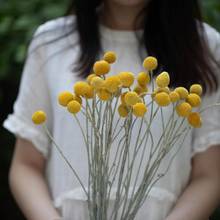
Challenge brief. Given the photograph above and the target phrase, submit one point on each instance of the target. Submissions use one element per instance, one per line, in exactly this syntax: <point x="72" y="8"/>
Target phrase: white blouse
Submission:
<point x="48" y="71"/>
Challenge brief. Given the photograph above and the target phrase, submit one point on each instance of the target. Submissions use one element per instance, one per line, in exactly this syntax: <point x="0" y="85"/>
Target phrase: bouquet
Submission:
<point x="115" y="106"/>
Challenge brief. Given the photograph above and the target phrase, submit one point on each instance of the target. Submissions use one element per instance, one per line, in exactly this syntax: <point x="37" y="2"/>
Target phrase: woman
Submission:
<point x="188" y="49"/>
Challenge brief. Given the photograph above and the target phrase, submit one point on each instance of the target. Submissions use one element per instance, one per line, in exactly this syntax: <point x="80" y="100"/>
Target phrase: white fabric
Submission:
<point x="48" y="72"/>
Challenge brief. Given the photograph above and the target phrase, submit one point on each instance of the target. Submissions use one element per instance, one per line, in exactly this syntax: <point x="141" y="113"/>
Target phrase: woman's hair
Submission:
<point x="173" y="32"/>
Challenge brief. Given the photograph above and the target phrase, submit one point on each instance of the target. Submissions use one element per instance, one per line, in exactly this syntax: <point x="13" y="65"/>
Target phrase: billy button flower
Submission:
<point x="139" y="109"/>
<point x="196" y="88"/>
<point x="110" y="57"/>
<point x="73" y="107"/>
<point x="112" y="84"/>
<point x="195" y="119"/>
<point x="140" y="90"/>
<point x="194" y="100"/>
<point x="150" y="63"/>
<point x="162" y="99"/>
<point x="183" y="109"/>
<point x="39" y="117"/>
<point x="183" y="92"/>
<point x="174" y="96"/>
<point x="65" y="97"/>
<point x="104" y="95"/>
<point x="81" y="88"/>
<point x="131" y="98"/>
<point x="77" y="98"/>
<point x="126" y="78"/>
<point x="90" y="77"/>
<point x="123" y="98"/>
<point x="89" y="93"/>
<point x="101" y="67"/>
<point x="97" y="82"/>
<point x="123" y="110"/>
<point x="163" y="80"/>
<point x="143" y="79"/>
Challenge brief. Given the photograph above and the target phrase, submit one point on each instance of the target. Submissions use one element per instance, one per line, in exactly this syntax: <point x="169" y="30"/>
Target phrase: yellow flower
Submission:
<point x="77" y="98"/>
<point x="101" y="67"/>
<point x="183" y="92"/>
<point x="123" y="111"/>
<point x="104" y="95"/>
<point x="150" y="63"/>
<point x="195" y="119"/>
<point x="140" y="89"/>
<point x="64" y="98"/>
<point x="196" y="88"/>
<point x="112" y="83"/>
<point x="163" y="80"/>
<point x="131" y="98"/>
<point x="162" y="99"/>
<point x="97" y="82"/>
<point x="74" y="107"/>
<point x="126" y="78"/>
<point x="89" y="93"/>
<point x="90" y="77"/>
<point x="143" y="78"/>
<point x="165" y="89"/>
<point x="110" y="57"/>
<point x="81" y="88"/>
<point x="39" y="117"/>
<point x="194" y="100"/>
<point x="123" y="98"/>
<point x="183" y="109"/>
<point x="174" y="96"/>
<point x="139" y="109"/>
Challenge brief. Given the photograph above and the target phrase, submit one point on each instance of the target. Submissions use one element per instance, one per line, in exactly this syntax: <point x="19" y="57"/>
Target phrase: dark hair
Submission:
<point x="173" y="32"/>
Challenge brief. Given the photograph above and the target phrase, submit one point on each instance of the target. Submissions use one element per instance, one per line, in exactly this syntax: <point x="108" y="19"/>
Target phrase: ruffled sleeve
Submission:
<point x="33" y="95"/>
<point x="209" y="134"/>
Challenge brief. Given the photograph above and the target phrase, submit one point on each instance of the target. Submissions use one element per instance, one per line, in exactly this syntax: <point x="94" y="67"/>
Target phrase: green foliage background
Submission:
<point x="18" y="20"/>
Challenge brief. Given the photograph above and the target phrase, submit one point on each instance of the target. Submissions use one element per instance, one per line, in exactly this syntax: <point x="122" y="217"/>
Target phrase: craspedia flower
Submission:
<point x="126" y="78"/>
<point x="195" y="119"/>
<point x="77" y="98"/>
<point x="196" y="88"/>
<point x="194" y="100"/>
<point x="64" y="98"/>
<point x="90" y="77"/>
<point x="104" y="95"/>
<point x="139" y="109"/>
<point x="81" y="88"/>
<point x="163" y="79"/>
<point x="140" y="90"/>
<point x="101" y="67"/>
<point x="39" y="117"/>
<point x="183" y="92"/>
<point x="123" y="111"/>
<point x="174" y="96"/>
<point x="112" y="83"/>
<point x="183" y="109"/>
<point x="110" y="57"/>
<point x="150" y="63"/>
<point x="131" y="98"/>
<point x="164" y="89"/>
<point x="74" y="107"/>
<point x="162" y="99"/>
<point x="123" y="98"/>
<point x="143" y="78"/>
<point x="97" y="82"/>
<point x="89" y="93"/>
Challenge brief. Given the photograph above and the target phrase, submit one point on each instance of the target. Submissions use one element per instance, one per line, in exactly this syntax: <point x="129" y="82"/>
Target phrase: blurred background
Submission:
<point x="18" y="20"/>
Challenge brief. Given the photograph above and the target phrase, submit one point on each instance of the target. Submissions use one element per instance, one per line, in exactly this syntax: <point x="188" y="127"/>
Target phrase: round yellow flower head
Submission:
<point x="164" y="89"/>
<point x="131" y="98"/>
<point x="140" y="90"/>
<point x="90" y="77"/>
<point x="104" y="95"/>
<point x="97" y="82"/>
<point x="139" y="109"/>
<point x="110" y="57"/>
<point x="183" y="109"/>
<point x="123" y="98"/>
<point x="183" y="92"/>
<point x="39" y="117"/>
<point x="112" y="83"/>
<point x="123" y="111"/>
<point x="196" y="88"/>
<point x="163" y="79"/>
<point x="77" y="98"/>
<point x="64" y="98"/>
<point x="143" y="78"/>
<point x="194" y="100"/>
<point x="126" y="78"/>
<point x="74" y="107"/>
<point x="81" y="88"/>
<point x="162" y="99"/>
<point x="89" y="93"/>
<point x="174" y="96"/>
<point x="195" y="119"/>
<point x="150" y="63"/>
<point x="101" y="67"/>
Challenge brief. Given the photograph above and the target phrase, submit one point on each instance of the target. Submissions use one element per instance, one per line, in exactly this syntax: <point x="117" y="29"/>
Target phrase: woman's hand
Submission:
<point x="202" y="195"/>
<point x="28" y="184"/>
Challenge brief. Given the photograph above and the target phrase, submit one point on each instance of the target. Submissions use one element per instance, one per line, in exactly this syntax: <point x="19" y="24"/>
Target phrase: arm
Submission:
<point x="28" y="185"/>
<point x="202" y="195"/>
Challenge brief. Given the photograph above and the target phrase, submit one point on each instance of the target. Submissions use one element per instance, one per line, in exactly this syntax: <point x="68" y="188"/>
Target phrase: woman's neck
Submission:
<point x="120" y="17"/>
